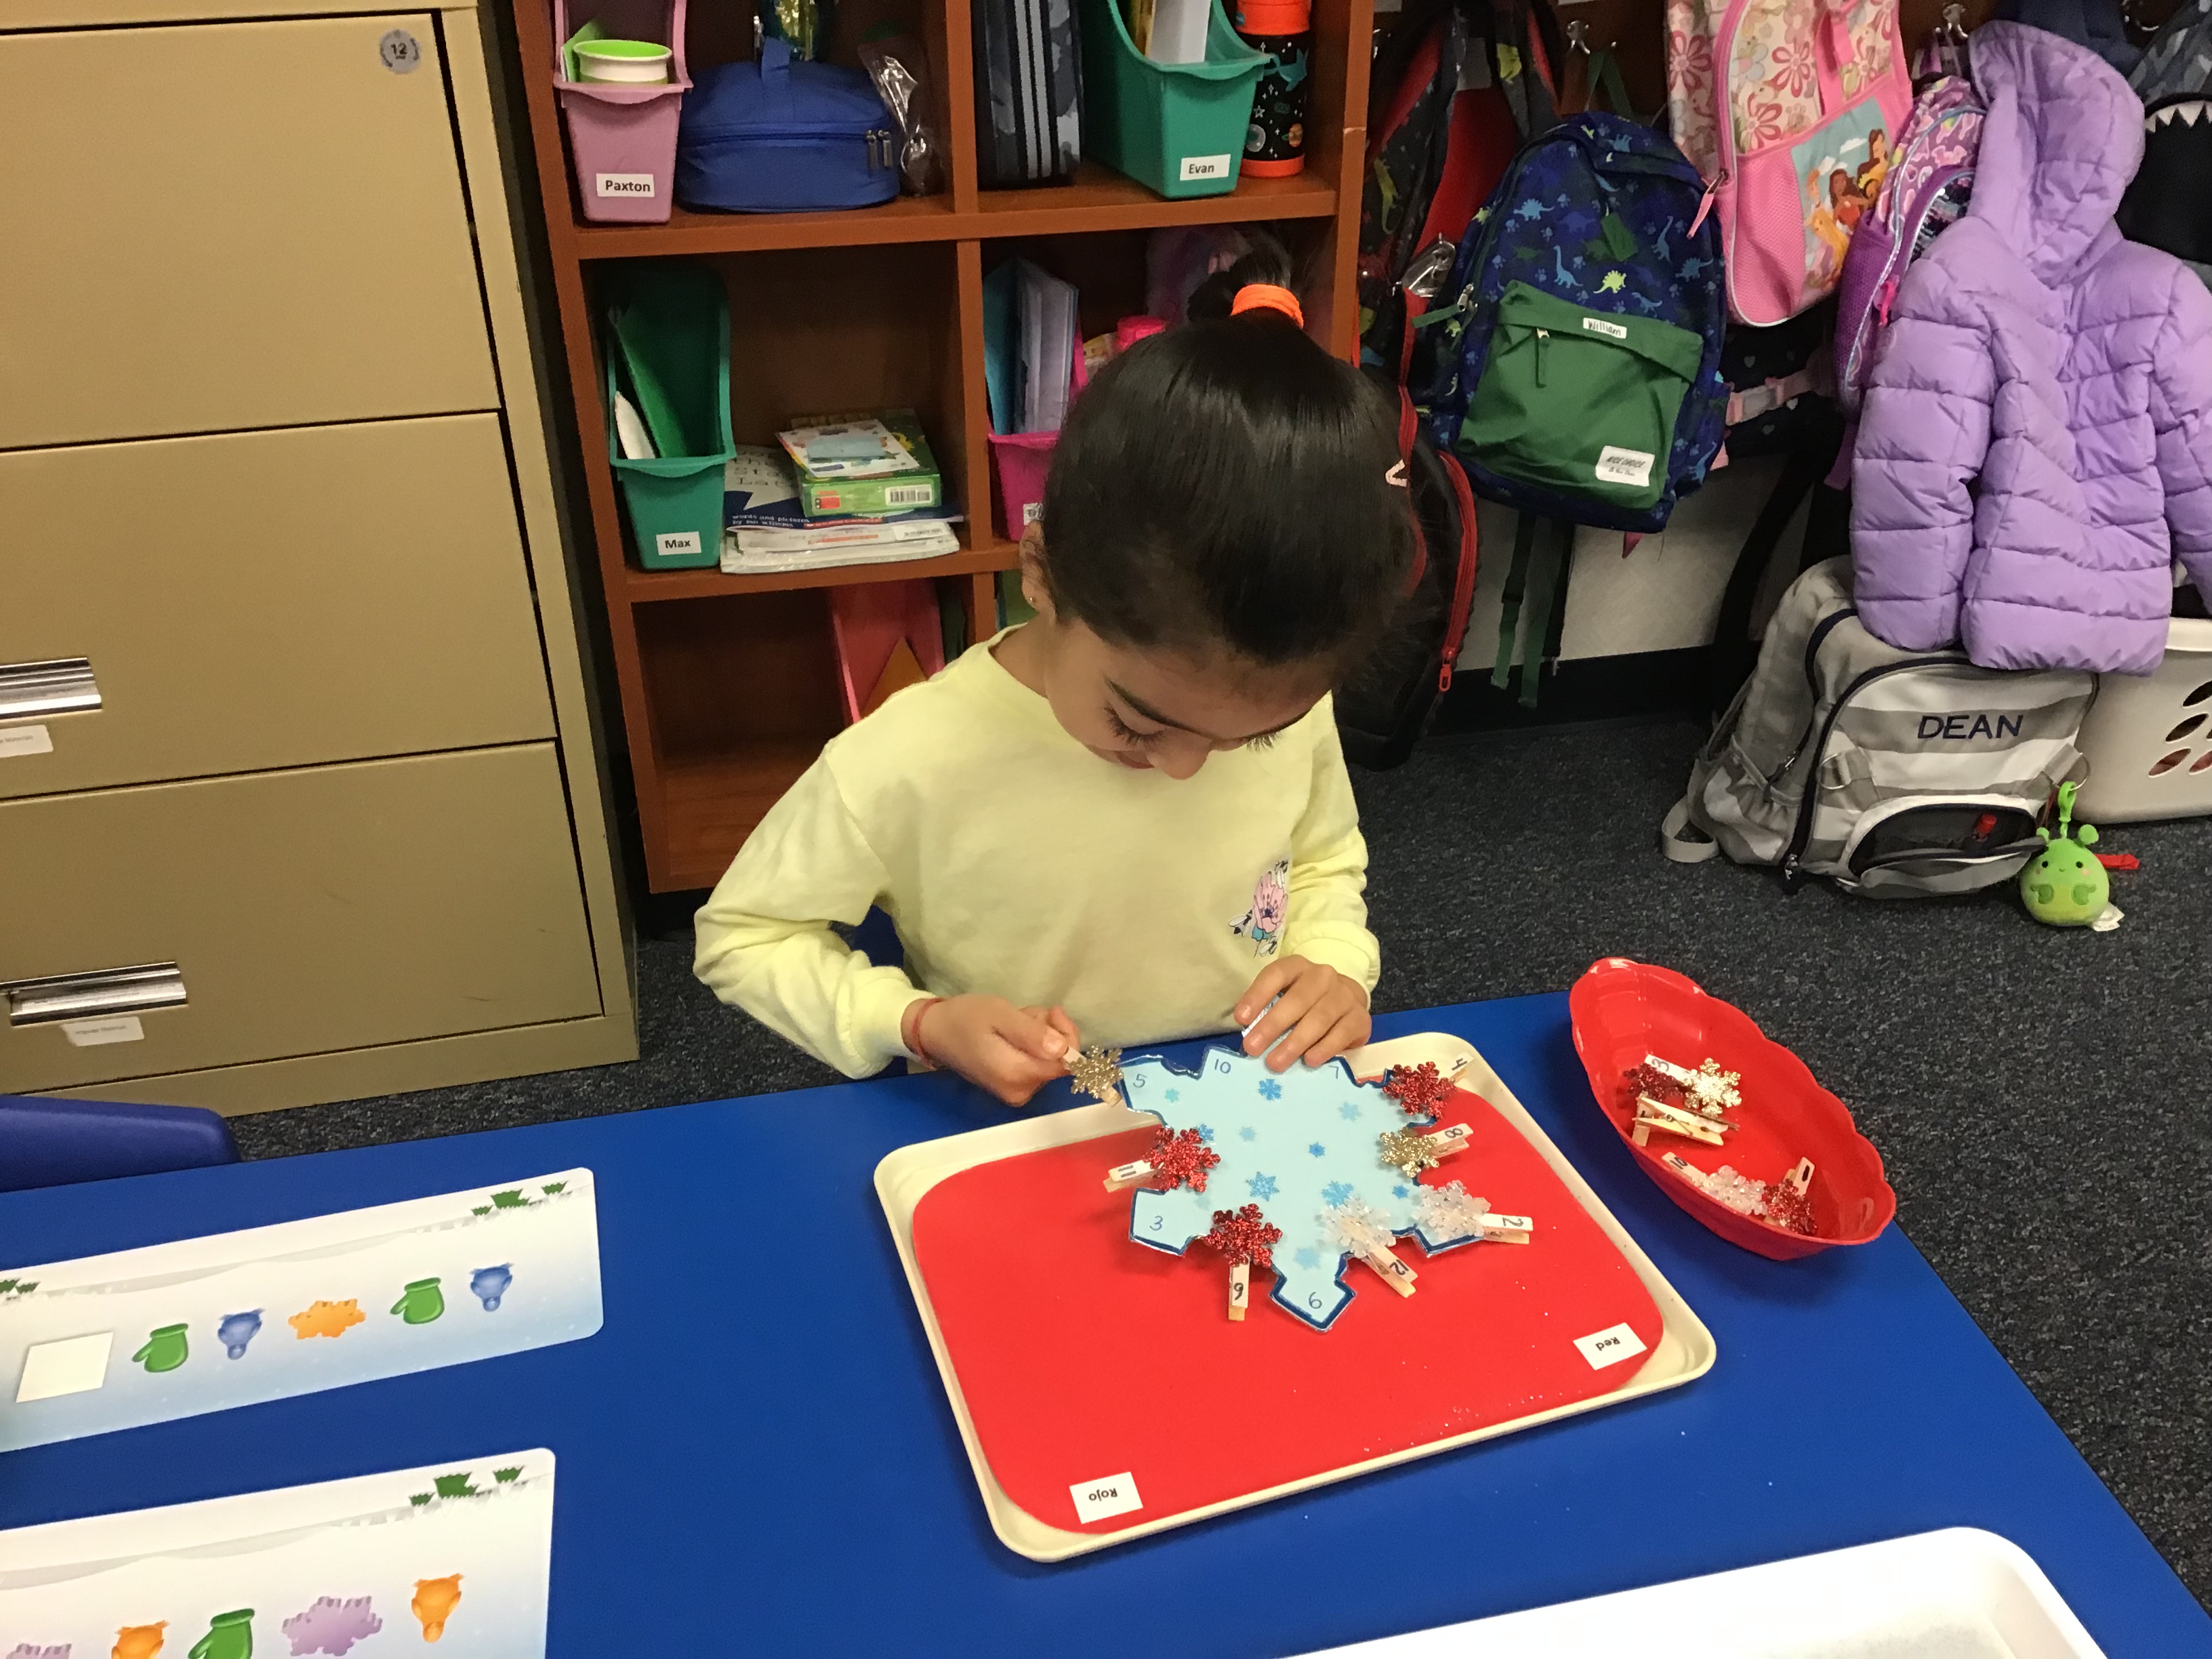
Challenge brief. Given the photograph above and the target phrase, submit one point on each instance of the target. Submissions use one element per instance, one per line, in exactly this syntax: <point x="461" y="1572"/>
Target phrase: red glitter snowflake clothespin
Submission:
<point x="1180" y="1159"/>
<point x="1420" y="1091"/>
<point x="1247" y="1238"/>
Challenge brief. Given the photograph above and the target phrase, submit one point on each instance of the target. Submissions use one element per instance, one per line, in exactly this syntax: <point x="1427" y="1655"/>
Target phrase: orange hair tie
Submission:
<point x="1266" y="296"/>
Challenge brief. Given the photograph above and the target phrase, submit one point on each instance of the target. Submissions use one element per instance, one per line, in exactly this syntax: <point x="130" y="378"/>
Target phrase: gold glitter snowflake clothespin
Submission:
<point x="1409" y="1151"/>
<point x="1714" y="1090"/>
<point x="1097" y="1073"/>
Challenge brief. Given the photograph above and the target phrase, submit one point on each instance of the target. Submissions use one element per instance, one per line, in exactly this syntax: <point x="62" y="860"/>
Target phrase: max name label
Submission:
<point x="625" y="184"/>
<point x="678" y="543"/>
<point x="1100" y="1500"/>
<point x="1610" y="1347"/>
<point x="1204" y="167"/>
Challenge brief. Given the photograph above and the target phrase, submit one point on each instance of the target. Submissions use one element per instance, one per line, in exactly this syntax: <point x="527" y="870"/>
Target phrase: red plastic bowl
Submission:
<point x="1624" y="1010"/>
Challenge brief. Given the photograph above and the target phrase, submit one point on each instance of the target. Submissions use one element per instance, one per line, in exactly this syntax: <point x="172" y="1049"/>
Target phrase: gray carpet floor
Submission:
<point x="2042" y="1098"/>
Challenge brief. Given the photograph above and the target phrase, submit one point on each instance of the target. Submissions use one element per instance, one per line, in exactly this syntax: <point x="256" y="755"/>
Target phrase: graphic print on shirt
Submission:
<point x="1271" y="899"/>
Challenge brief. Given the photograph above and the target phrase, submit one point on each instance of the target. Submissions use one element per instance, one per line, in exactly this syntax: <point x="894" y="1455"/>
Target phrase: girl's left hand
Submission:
<point x="1324" y="1012"/>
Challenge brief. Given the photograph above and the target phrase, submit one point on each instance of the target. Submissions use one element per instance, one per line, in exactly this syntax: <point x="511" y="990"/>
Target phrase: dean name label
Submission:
<point x="1959" y="728"/>
<point x="625" y="184"/>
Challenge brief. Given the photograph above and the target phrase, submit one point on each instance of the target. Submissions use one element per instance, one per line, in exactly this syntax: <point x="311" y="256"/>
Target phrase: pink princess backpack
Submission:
<point x="1789" y="108"/>
<point x="1930" y="184"/>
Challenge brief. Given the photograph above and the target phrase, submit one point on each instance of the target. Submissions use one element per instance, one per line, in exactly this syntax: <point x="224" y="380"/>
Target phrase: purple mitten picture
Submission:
<point x="331" y="1626"/>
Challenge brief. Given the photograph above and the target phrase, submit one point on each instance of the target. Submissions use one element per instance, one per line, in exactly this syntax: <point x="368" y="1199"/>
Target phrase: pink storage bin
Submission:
<point x="621" y="139"/>
<point x="1023" y="459"/>
<point x="868" y="620"/>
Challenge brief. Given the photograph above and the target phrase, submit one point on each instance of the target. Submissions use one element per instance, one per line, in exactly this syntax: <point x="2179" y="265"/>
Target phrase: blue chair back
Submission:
<point x="47" y="1142"/>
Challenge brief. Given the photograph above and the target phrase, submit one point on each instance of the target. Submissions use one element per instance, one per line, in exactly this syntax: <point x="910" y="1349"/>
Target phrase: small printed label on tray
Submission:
<point x="1100" y="1500"/>
<point x="678" y="543"/>
<point x="1205" y="166"/>
<point x="1610" y="1347"/>
<point x="25" y="740"/>
<point x="98" y="1033"/>
<point x="626" y="183"/>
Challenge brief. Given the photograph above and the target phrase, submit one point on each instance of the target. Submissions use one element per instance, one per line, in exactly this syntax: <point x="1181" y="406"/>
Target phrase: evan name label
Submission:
<point x="1100" y="1500"/>
<point x="625" y="184"/>
<point x="1205" y="166"/>
<point x="1623" y="466"/>
<point x="1610" y="1347"/>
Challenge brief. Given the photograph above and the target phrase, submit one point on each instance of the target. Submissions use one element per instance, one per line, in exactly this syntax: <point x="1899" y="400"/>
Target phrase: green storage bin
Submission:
<point x="1177" y="128"/>
<point x="668" y="325"/>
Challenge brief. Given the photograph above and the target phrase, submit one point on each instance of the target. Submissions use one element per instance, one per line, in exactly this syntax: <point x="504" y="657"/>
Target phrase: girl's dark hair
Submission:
<point x="1228" y="483"/>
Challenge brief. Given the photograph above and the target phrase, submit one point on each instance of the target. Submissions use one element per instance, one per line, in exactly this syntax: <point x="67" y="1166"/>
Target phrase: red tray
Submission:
<point x="1074" y="1355"/>
<point x="1624" y="1010"/>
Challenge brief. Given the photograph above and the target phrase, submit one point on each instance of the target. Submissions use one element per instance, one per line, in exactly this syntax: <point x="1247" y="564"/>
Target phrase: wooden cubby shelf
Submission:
<point x="729" y="683"/>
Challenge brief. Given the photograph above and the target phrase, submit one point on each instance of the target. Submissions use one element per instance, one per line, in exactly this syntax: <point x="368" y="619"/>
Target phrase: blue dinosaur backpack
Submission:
<point x="1586" y="383"/>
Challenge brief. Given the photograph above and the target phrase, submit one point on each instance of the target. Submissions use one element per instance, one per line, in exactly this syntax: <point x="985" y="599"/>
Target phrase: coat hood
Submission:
<point x="2063" y="137"/>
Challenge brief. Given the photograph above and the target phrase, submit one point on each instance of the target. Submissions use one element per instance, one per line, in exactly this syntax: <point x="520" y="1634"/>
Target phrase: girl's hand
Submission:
<point x="1008" y="1051"/>
<point x="1324" y="1012"/>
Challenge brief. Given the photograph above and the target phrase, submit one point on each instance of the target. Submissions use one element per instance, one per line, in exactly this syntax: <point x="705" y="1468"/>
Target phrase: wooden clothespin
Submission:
<point x="1801" y="1177"/>
<point x="1652" y="1114"/>
<point x="1240" y="1288"/>
<point x="1123" y="1177"/>
<point x="1361" y="1234"/>
<point x="1508" y="1229"/>
<point x="1097" y="1073"/>
<point x="1180" y="1159"/>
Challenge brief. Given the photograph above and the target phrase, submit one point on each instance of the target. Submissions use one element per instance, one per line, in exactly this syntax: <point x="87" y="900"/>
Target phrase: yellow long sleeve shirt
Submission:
<point x="1016" y="863"/>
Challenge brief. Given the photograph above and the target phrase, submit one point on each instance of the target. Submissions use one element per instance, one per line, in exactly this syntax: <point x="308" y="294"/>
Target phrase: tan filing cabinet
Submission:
<point x="300" y="796"/>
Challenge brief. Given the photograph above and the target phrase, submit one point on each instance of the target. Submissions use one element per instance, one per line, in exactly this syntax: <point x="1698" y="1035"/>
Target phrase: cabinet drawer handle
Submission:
<point x="63" y="685"/>
<point x="87" y="996"/>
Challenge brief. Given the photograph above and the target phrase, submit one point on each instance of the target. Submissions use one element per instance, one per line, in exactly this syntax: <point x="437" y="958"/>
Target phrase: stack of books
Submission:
<point x="849" y="491"/>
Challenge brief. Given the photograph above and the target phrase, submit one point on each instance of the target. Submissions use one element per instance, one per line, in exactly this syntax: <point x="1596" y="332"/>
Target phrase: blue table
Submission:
<point x="756" y="1461"/>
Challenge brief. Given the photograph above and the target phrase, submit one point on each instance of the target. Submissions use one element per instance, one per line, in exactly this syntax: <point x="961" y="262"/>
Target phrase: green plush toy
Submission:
<point x="2063" y="884"/>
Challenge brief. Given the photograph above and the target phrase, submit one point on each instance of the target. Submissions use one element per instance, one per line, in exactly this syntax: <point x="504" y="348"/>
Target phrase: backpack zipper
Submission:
<point x="1803" y="832"/>
<point x="1821" y="629"/>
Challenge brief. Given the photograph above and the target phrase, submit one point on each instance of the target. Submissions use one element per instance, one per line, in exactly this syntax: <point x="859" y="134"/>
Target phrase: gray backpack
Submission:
<point x="1899" y="774"/>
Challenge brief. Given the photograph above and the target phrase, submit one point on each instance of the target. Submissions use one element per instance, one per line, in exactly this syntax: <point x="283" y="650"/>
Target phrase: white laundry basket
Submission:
<point x="2149" y="739"/>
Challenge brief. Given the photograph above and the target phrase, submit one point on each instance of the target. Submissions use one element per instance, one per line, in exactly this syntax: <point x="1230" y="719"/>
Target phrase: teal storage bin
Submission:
<point x="1177" y="128"/>
<point x="668" y="337"/>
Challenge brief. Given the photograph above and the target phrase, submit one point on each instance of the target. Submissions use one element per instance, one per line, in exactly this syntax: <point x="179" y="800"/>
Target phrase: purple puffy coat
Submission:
<point x="2036" y="444"/>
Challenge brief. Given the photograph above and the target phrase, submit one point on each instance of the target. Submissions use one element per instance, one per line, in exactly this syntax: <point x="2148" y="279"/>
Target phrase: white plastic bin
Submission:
<point x="2149" y="739"/>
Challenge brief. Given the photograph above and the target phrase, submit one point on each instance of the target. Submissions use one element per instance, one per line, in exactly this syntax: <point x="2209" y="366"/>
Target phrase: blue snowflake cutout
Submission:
<point x="1296" y="1170"/>
<point x="1270" y="1089"/>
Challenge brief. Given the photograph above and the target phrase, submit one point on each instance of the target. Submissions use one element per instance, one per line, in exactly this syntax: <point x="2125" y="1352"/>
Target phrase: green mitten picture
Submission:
<point x="164" y="1350"/>
<point x="421" y="1302"/>
<point x="229" y="1637"/>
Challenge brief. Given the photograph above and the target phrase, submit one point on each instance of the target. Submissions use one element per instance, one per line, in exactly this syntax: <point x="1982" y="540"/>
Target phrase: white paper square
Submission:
<point x="75" y="1364"/>
<point x="1099" y="1500"/>
<point x="1610" y="1347"/>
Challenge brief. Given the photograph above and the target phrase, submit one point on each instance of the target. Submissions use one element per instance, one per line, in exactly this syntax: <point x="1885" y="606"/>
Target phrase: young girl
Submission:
<point x="1127" y="821"/>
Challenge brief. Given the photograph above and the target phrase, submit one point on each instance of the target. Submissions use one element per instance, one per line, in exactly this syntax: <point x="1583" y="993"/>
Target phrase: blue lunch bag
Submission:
<point x="780" y="137"/>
